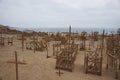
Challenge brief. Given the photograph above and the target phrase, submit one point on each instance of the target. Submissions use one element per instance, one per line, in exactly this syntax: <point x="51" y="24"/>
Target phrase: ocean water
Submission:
<point x="79" y="30"/>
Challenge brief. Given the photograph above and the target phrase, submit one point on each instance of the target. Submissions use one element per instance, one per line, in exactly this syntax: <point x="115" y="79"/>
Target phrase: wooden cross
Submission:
<point x="16" y="62"/>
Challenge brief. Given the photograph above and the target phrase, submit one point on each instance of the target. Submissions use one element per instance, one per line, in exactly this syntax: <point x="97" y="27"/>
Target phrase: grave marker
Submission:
<point x="16" y="64"/>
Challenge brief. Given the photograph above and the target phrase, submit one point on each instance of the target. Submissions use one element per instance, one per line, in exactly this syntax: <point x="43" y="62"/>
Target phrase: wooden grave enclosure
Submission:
<point x="6" y="39"/>
<point x="113" y="53"/>
<point x="93" y="61"/>
<point x="36" y="44"/>
<point x="58" y="42"/>
<point x="93" y="57"/>
<point x="57" y="45"/>
<point x="66" y="56"/>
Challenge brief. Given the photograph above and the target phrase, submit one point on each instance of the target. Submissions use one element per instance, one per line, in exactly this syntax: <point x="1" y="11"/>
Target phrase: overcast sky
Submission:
<point x="60" y="13"/>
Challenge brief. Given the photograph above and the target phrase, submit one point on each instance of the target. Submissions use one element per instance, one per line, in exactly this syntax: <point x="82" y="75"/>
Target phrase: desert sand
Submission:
<point x="39" y="67"/>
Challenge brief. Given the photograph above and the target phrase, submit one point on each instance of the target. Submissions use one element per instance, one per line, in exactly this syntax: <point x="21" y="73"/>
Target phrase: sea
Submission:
<point x="75" y="30"/>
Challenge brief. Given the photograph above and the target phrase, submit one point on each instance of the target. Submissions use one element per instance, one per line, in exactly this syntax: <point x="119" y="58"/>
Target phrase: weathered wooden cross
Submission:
<point x="16" y="62"/>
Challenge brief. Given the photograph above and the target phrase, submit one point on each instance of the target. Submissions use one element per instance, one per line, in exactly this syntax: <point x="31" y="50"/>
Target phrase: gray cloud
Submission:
<point x="60" y="13"/>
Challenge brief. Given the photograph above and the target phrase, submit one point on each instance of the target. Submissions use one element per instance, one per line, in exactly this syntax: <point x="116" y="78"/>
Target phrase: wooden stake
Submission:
<point x="22" y="41"/>
<point x="119" y="64"/>
<point x="57" y="50"/>
<point x="60" y="46"/>
<point x="47" y="51"/>
<point x="1" y="38"/>
<point x="53" y="50"/>
<point x="34" y="41"/>
<point x="116" y="72"/>
<point x="103" y="38"/>
<point x="16" y="65"/>
<point x="69" y="35"/>
<point x="59" y="72"/>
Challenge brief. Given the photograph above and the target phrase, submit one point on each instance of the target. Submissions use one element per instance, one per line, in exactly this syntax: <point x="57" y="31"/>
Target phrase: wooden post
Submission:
<point x="92" y="39"/>
<point x="102" y="51"/>
<point x="53" y="50"/>
<point x="89" y="45"/>
<point x="116" y="72"/>
<point x="34" y="41"/>
<point x="119" y="64"/>
<point x="107" y="61"/>
<point x="1" y="34"/>
<point x="69" y="35"/>
<point x="57" y="50"/>
<point x="84" y="43"/>
<point x="8" y="40"/>
<point x="1" y="39"/>
<point x="98" y="44"/>
<point x="69" y="48"/>
<point x="47" y="51"/>
<point x="22" y="41"/>
<point x="103" y="38"/>
<point x="59" y="72"/>
<point x="60" y="46"/>
<point x="55" y="40"/>
<point x="16" y="65"/>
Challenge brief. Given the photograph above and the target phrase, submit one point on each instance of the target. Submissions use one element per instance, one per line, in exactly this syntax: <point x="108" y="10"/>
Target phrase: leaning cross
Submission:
<point x="16" y="64"/>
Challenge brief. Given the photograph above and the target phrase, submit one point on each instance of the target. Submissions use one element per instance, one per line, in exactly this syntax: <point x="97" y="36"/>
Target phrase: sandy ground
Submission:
<point x="38" y="67"/>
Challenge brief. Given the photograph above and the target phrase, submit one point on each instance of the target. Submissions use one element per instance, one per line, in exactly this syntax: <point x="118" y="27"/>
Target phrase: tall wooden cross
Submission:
<point x="16" y="62"/>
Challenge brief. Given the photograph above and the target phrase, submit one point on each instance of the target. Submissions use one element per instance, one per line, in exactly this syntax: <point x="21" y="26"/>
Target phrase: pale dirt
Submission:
<point x="38" y="67"/>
